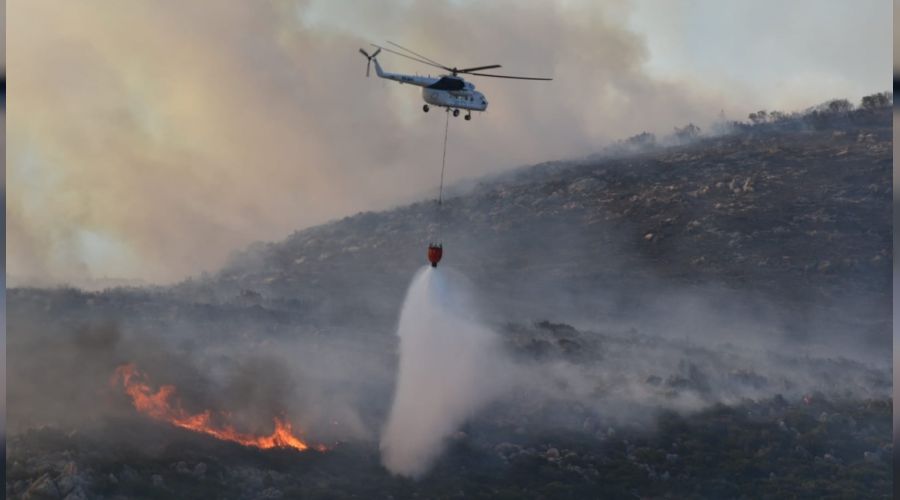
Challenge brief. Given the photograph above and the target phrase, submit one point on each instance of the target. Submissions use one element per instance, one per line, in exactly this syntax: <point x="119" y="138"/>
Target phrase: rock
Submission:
<point x="251" y="478"/>
<point x="41" y="489"/>
<point x="68" y="479"/>
<point x="129" y="474"/>
<point x="77" y="494"/>
<point x="748" y="185"/>
<point x="200" y="469"/>
<point x="588" y="424"/>
<point x="157" y="480"/>
<point x="871" y="457"/>
<point x="576" y="469"/>
<point x="269" y="493"/>
<point x="585" y="184"/>
<point x="182" y="468"/>
<point x="508" y="450"/>
<point x="552" y="454"/>
<point x="66" y="484"/>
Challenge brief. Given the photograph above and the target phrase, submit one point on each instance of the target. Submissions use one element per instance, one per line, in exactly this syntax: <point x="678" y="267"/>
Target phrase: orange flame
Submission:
<point x="157" y="405"/>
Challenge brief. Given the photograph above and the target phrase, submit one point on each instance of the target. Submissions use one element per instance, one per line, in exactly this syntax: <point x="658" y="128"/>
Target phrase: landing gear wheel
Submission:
<point x="469" y="116"/>
<point x="425" y="108"/>
<point x="455" y="112"/>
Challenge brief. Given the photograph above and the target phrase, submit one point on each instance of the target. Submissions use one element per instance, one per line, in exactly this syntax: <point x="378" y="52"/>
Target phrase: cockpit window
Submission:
<point x="448" y="83"/>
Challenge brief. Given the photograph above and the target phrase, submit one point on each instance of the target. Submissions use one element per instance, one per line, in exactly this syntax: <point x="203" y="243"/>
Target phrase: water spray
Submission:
<point x="447" y="371"/>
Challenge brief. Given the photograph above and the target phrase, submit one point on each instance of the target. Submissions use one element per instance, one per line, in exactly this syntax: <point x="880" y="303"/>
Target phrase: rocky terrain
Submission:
<point x="731" y="328"/>
<point x="800" y="217"/>
<point x="820" y="444"/>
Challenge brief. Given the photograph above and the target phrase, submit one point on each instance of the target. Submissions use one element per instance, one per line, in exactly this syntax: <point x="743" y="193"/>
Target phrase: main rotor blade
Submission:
<point x="512" y="77"/>
<point x="467" y="70"/>
<point x="410" y="57"/>
<point x="432" y="61"/>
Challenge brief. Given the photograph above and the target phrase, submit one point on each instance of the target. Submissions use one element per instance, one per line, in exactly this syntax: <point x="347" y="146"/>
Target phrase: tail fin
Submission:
<point x="378" y="70"/>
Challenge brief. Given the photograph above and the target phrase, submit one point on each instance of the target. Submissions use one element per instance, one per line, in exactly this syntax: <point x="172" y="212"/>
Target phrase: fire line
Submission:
<point x="159" y="406"/>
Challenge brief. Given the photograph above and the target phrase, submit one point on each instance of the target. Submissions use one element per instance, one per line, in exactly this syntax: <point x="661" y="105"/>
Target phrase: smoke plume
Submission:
<point x="446" y="371"/>
<point x="205" y="126"/>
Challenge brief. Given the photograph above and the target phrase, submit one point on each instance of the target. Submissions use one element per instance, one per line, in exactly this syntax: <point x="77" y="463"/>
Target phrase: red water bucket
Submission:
<point x="435" y="252"/>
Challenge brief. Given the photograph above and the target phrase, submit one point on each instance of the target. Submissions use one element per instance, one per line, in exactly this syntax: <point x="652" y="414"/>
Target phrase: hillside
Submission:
<point x="703" y="320"/>
<point x="800" y="218"/>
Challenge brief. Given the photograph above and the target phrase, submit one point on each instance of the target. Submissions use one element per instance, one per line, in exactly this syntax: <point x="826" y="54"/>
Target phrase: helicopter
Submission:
<point x="449" y="91"/>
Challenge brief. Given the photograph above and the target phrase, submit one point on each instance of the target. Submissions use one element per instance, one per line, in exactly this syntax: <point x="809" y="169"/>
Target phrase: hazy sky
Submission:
<point x="148" y="140"/>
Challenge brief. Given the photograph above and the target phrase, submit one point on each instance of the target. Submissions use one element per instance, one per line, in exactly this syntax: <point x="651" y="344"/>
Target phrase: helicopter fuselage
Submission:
<point x="461" y="99"/>
<point x="447" y="91"/>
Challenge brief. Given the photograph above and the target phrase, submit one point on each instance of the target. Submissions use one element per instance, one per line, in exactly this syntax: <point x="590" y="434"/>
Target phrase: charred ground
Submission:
<point x="666" y="259"/>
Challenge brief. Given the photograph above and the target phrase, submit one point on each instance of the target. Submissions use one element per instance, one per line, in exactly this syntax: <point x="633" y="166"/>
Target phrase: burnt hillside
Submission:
<point x="688" y="291"/>
<point x="801" y="217"/>
<point x="795" y="218"/>
<point x="793" y="223"/>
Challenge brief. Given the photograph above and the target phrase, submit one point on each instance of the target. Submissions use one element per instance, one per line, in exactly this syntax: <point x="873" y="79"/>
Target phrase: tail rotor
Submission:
<point x="369" y="57"/>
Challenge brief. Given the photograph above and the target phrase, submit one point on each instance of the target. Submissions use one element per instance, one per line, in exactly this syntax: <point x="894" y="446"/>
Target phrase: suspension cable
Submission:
<point x="444" y="159"/>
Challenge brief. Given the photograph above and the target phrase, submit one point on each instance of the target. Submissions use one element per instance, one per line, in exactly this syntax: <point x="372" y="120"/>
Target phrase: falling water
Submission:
<point x="446" y="360"/>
